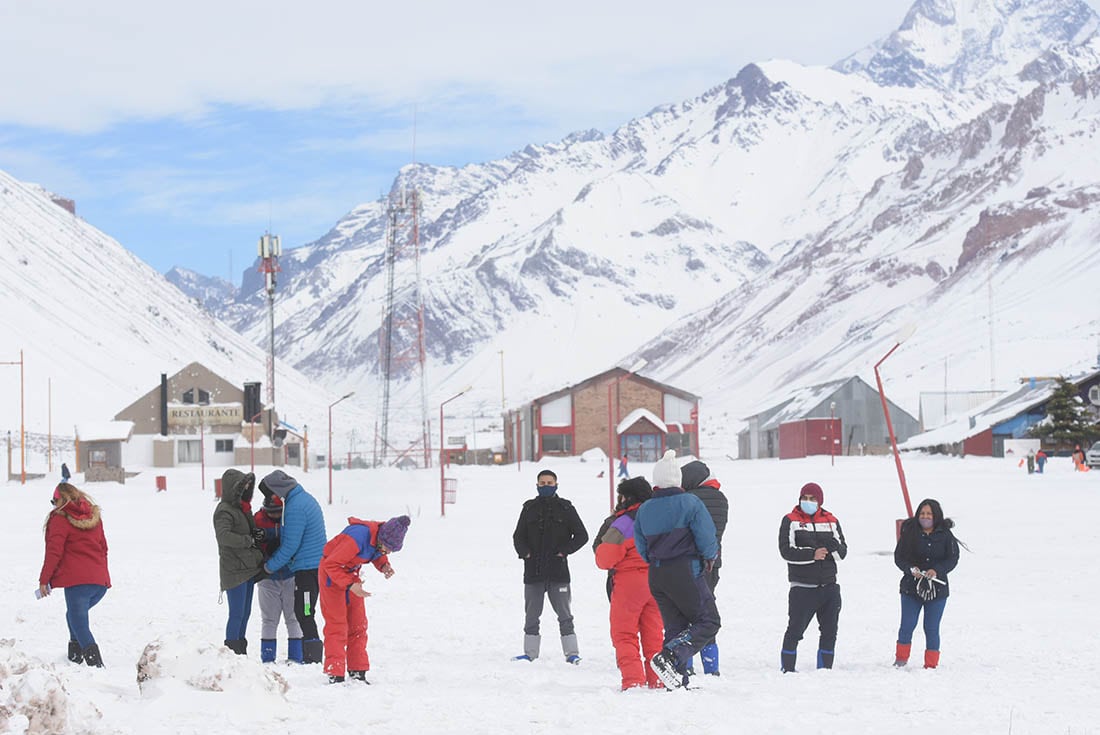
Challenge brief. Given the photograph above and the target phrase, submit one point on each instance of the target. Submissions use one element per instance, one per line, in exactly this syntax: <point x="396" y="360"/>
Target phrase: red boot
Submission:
<point x="901" y="654"/>
<point x="931" y="659"/>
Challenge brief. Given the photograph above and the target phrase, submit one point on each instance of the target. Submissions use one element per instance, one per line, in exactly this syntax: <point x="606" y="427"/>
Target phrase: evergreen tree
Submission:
<point x="1068" y="420"/>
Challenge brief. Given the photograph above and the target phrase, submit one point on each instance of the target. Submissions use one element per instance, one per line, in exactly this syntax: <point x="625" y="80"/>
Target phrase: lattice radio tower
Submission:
<point x="269" y="249"/>
<point x="401" y="353"/>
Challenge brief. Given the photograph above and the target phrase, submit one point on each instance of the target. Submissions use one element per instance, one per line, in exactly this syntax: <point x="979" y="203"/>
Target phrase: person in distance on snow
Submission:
<point x="634" y="612"/>
<point x="240" y="560"/>
<point x="301" y="541"/>
<point x="697" y="480"/>
<point x="276" y="592"/>
<point x="342" y="590"/>
<point x="65" y="474"/>
<point x="926" y="551"/>
<point x="548" y="531"/>
<point x="811" y="541"/>
<point x="76" y="559"/>
<point x="675" y="535"/>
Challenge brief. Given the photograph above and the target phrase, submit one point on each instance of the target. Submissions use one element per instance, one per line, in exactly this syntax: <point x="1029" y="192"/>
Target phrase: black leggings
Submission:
<point x="306" y="589"/>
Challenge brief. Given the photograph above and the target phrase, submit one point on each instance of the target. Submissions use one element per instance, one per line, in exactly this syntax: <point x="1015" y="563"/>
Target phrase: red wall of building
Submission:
<point x="809" y="437"/>
<point x="980" y="445"/>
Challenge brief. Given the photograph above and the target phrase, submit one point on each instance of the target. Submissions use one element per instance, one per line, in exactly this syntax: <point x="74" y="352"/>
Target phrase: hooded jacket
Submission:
<point x="239" y="560"/>
<point x="697" y="481"/>
<point x="76" y="549"/>
<point x="349" y="550"/>
<point x="937" y="550"/>
<point x="675" y="525"/>
<point x="302" y="537"/>
<point x="616" y="549"/>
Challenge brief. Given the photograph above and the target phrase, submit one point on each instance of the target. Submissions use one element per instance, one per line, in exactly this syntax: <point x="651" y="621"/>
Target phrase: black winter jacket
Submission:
<point x="716" y="503"/>
<point x="549" y="529"/>
<point x="938" y="550"/>
<point x="800" y="535"/>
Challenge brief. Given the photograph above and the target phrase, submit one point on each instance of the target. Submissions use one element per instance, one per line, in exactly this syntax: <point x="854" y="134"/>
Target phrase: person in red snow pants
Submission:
<point x="342" y="590"/>
<point x="634" y="613"/>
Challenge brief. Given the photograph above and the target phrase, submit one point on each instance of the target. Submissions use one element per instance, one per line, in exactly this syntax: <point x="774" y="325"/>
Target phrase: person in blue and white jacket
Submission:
<point x="301" y="540"/>
<point x="675" y="535"/>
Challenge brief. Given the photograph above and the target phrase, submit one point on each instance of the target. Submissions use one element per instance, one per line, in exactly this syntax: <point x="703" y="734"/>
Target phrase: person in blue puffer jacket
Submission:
<point x="675" y="535"/>
<point x="301" y="540"/>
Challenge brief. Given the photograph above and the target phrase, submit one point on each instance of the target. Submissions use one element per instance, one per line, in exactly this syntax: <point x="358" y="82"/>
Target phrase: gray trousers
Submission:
<point x="534" y="597"/>
<point x="277" y="598"/>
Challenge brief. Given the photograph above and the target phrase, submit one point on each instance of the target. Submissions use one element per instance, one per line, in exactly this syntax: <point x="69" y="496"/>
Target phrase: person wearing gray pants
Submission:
<point x="548" y="531"/>
<point x="276" y="593"/>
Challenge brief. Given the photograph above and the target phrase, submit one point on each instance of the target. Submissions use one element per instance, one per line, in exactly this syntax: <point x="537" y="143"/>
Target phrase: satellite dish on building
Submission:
<point x="1094" y="395"/>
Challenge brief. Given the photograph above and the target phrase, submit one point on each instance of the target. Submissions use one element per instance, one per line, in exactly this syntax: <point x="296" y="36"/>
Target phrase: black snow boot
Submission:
<point x="92" y="657"/>
<point x="313" y="651"/>
<point x="239" y="647"/>
<point x="76" y="654"/>
<point x="358" y="676"/>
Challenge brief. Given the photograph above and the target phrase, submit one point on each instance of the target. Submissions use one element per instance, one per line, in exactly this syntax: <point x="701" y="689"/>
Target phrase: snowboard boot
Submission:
<point x="824" y="659"/>
<point x="92" y="657"/>
<point x="267" y="651"/>
<point x="709" y="654"/>
<point x="358" y="676"/>
<point x="332" y="679"/>
<point x="901" y="654"/>
<point x="664" y="666"/>
<point x="313" y="651"/>
<point x="787" y="660"/>
<point x="75" y="654"/>
<point x="931" y="659"/>
<point x="294" y="650"/>
<point x="239" y="646"/>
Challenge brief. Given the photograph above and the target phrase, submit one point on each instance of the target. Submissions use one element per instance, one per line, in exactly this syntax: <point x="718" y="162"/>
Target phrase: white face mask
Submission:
<point x="809" y="507"/>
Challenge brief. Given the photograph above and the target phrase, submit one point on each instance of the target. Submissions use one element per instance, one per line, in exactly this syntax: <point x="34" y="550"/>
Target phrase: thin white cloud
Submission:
<point x="85" y="66"/>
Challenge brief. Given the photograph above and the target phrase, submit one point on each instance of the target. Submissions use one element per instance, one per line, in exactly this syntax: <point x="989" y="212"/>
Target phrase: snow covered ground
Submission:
<point x="1020" y="652"/>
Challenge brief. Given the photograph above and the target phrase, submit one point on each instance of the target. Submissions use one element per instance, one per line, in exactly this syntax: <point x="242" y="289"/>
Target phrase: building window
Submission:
<point x="681" y="443"/>
<point x="97" y="458"/>
<point x="223" y="445"/>
<point x="189" y="396"/>
<point x="204" y="397"/>
<point x="557" y="443"/>
<point x="641" y="447"/>
<point x="188" y="450"/>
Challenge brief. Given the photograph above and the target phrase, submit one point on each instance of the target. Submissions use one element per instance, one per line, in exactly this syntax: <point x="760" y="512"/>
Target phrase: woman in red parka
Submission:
<point x="76" y="559"/>
<point x="634" y="612"/>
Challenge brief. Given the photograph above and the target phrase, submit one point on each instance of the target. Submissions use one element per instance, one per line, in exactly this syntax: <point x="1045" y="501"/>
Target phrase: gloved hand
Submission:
<point x="926" y="590"/>
<point x="259" y="535"/>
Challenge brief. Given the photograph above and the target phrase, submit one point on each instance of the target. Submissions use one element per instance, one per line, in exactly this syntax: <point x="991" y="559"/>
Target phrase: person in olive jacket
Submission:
<point x="811" y="541"/>
<point x="926" y="551"/>
<point x="548" y="531"/>
<point x="240" y="559"/>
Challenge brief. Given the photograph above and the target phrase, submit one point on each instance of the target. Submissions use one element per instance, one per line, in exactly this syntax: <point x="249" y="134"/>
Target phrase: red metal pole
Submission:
<point x="893" y="439"/>
<point x="330" y="455"/>
<point x="442" y="492"/>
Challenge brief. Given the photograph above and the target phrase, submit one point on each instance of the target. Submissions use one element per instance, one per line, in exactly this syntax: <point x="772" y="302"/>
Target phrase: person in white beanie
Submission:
<point x="675" y="535"/>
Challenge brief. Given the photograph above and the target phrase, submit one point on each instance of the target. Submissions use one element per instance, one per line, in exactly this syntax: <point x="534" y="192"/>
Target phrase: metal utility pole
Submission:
<point x="269" y="250"/>
<point x="402" y="354"/>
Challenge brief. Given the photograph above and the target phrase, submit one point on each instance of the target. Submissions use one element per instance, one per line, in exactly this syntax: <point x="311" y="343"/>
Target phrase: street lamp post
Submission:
<point x="442" y="453"/>
<point x="348" y="395"/>
<point x="903" y="334"/>
<point x="611" y="434"/>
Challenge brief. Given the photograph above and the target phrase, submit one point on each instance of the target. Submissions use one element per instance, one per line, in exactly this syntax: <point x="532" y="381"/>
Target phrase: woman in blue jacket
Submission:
<point x="926" y="552"/>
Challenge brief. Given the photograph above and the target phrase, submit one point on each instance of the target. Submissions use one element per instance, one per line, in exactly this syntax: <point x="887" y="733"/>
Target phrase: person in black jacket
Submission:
<point x="926" y="551"/>
<point x="811" y="541"/>
<point x="548" y="531"/>
<point x="696" y="479"/>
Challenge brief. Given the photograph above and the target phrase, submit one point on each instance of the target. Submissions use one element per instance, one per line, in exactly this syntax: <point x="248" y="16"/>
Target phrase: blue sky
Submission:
<point x="186" y="132"/>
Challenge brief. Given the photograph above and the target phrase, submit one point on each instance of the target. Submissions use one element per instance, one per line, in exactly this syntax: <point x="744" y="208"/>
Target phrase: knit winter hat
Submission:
<point x="693" y="474"/>
<point x="392" y="532"/>
<point x="273" y="504"/>
<point x="812" y="488"/>
<point x="666" y="473"/>
<point x="636" y="490"/>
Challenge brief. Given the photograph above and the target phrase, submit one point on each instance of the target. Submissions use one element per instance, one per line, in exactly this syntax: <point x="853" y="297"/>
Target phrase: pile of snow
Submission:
<point x="34" y="699"/>
<point x="204" y="666"/>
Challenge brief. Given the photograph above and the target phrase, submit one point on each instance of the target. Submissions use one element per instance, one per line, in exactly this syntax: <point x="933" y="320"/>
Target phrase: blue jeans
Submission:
<point x="933" y="613"/>
<point x="78" y="601"/>
<point x="240" y="607"/>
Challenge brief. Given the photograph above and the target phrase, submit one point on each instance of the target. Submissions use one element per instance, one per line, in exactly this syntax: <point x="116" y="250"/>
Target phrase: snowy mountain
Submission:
<point x="97" y="326"/>
<point x="210" y="292"/>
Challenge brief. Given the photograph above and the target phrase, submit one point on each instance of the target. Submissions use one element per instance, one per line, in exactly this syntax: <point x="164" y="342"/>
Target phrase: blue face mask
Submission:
<point x="809" y="507"/>
<point x="926" y="523"/>
<point x="547" y="490"/>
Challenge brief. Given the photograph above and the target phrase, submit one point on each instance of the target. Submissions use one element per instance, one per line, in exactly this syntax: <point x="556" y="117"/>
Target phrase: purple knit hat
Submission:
<point x="392" y="532"/>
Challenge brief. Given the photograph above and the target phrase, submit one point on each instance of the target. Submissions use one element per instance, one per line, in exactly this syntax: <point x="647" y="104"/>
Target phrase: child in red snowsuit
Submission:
<point x="342" y="590"/>
<point x="634" y="612"/>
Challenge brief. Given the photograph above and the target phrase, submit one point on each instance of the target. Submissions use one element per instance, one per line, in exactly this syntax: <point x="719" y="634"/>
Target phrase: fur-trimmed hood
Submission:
<point x="80" y="513"/>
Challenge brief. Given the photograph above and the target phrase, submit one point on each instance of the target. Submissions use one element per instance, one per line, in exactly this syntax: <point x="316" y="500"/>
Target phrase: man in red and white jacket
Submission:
<point x="342" y="590"/>
<point x="811" y="541"/>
